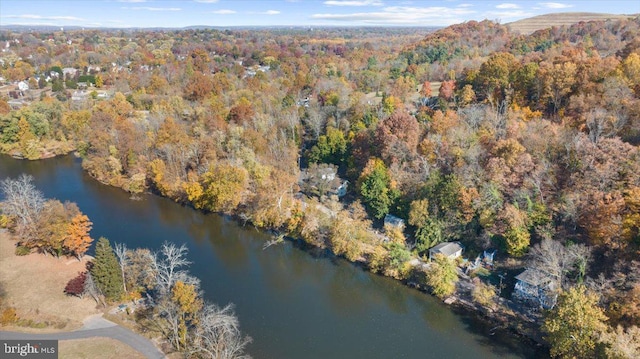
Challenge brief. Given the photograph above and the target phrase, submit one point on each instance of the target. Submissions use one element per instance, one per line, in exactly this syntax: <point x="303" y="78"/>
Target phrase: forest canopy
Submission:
<point x="472" y="133"/>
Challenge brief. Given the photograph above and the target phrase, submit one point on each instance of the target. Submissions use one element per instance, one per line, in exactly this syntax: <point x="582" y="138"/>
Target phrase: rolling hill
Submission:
<point x="530" y="25"/>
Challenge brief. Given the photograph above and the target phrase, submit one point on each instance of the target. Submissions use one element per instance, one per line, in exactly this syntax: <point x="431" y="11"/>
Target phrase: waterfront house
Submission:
<point x="536" y="286"/>
<point x="450" y="250"/>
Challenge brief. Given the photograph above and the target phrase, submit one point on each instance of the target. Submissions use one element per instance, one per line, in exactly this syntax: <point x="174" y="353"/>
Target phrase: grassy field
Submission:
<point x="34" y="285"/>
<point x="527" y="26"/>
<point x="96" y="348"/>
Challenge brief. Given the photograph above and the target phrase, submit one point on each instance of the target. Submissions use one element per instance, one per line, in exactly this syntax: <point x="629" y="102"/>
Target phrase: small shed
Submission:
<point x="450" y="250"/>
<point x="393" y="221"/>
<point x="536" y="286"/>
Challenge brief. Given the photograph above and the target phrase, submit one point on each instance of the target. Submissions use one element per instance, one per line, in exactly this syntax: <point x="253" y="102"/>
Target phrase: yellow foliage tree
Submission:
<point x="573" y="326"/>
<point x="189" y="304"/>
<point x="77" y="240"/>
<point x="222" y="187"/>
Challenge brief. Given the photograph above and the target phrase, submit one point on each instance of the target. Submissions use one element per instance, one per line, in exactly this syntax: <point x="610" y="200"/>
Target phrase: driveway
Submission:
<point x="96" y="326"/>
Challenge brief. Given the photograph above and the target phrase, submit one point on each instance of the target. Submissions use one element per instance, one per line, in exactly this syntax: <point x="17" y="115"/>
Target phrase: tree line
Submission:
<point x="175" y="307"/>
<point x="528" y="145"/>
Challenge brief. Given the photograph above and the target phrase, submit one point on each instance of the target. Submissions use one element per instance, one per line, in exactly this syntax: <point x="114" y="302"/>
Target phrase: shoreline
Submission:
<point x="496" y="321"/>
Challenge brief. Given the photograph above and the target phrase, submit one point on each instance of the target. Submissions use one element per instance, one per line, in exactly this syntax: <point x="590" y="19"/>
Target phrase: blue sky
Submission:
<point x="165" y="13"/>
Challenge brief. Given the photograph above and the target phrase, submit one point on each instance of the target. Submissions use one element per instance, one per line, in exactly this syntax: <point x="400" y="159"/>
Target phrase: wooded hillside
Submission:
<point x="530" y="145"/>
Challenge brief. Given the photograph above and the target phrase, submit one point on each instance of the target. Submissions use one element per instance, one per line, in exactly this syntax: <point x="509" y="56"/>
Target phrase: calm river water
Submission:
<point x="293" y="303"/>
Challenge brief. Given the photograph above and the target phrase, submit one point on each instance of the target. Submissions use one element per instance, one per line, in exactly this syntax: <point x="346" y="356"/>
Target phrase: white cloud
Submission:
<point x="207" y="1"/>
<point x="507" y="6"/>
<point x="39" y="17"/>
<point x="401" y="15"/>
<point x="268" y="12"/>
<point x="223" y="12"/>
<point x="508" y="15"/>
<point x="554" y="5"/>
<point x="149" y="8"/>
<point x="354" y="3"/>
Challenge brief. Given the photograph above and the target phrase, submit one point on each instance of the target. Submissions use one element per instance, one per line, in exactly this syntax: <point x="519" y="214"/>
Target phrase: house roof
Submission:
<point x="446" y="248"/>
<point x="393" y="220"/>
<point x="534" y="277"/>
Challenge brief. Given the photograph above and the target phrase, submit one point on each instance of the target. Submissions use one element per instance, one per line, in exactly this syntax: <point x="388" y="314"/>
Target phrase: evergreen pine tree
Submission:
<point x="106" y="271"/>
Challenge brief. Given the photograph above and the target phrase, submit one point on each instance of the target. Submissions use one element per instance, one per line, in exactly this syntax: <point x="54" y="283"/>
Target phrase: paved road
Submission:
<point x="96" y="326"/>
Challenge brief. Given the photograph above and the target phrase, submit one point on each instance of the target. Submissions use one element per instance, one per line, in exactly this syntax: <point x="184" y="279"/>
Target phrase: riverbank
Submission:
<point x="508" y="318"/>
<point x="32" y="285"/>
<point x="39" y="151"/>
<point x="311" y="303"/>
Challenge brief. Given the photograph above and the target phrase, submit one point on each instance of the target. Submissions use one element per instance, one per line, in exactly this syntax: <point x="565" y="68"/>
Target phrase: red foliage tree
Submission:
<point x="76" y="285"/>
<point x="447" y="88"/>
<point x="398" y="136"/>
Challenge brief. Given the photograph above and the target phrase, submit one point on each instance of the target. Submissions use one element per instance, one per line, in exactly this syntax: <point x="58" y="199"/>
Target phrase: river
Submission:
<point x="294" y="303"/>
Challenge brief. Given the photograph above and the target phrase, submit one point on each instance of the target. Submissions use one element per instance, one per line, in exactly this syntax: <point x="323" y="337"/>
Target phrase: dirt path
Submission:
<point x="96" y="326"/>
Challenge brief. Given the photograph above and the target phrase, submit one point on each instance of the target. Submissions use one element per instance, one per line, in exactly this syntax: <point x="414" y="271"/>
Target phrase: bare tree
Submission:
<point x="580" y="256"/>
<point x="169" y="311"/>
<point x="597" y="124"/>
<point x="22" y="200"/>
<point x="121" y="251"/>
<point x="551" y="257"/>
<point x="218" y="334"/>
<point x="91" y="289"/>
<point x="169" y="266"/>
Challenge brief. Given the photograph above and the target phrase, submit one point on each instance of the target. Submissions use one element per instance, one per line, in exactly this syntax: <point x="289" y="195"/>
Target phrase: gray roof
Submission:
<point x="446" y="248"/>
<point x="534" y="277"/>
<point x="393" y="220"/>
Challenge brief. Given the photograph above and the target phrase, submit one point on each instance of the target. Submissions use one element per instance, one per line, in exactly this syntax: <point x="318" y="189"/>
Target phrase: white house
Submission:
<point x="450" y="250"/>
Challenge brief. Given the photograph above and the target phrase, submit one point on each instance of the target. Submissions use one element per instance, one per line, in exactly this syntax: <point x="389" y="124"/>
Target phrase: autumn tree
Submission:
<point x="447" y="90"/>
<point x="558" y="79"/>
<point x="622" y="343"/>
<point x="220" y="189"/>
<point x="397" y="136"/>
<point x="573" y="326"/>
<point x="76" y="285"/>
<point x="484" y="294"/>
<point x="27" y="140"/>
<point x="198" y="87"/>
<point x="242" y="112"/>
<point x="516" y="235"/>
<point x="140" y="275"/>
<point x="189" y="303"/>
<point x="425" y="90"/>
<point x="494" y="76"/>
<point x="77" y="240"/>
<point x="442" y="276"/>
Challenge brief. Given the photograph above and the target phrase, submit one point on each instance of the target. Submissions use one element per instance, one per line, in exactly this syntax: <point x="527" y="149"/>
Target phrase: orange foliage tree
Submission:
<point x="77" y="240"/>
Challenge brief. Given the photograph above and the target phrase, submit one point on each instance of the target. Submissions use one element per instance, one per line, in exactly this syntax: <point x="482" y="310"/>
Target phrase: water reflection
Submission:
<point x="295" y="303"/>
